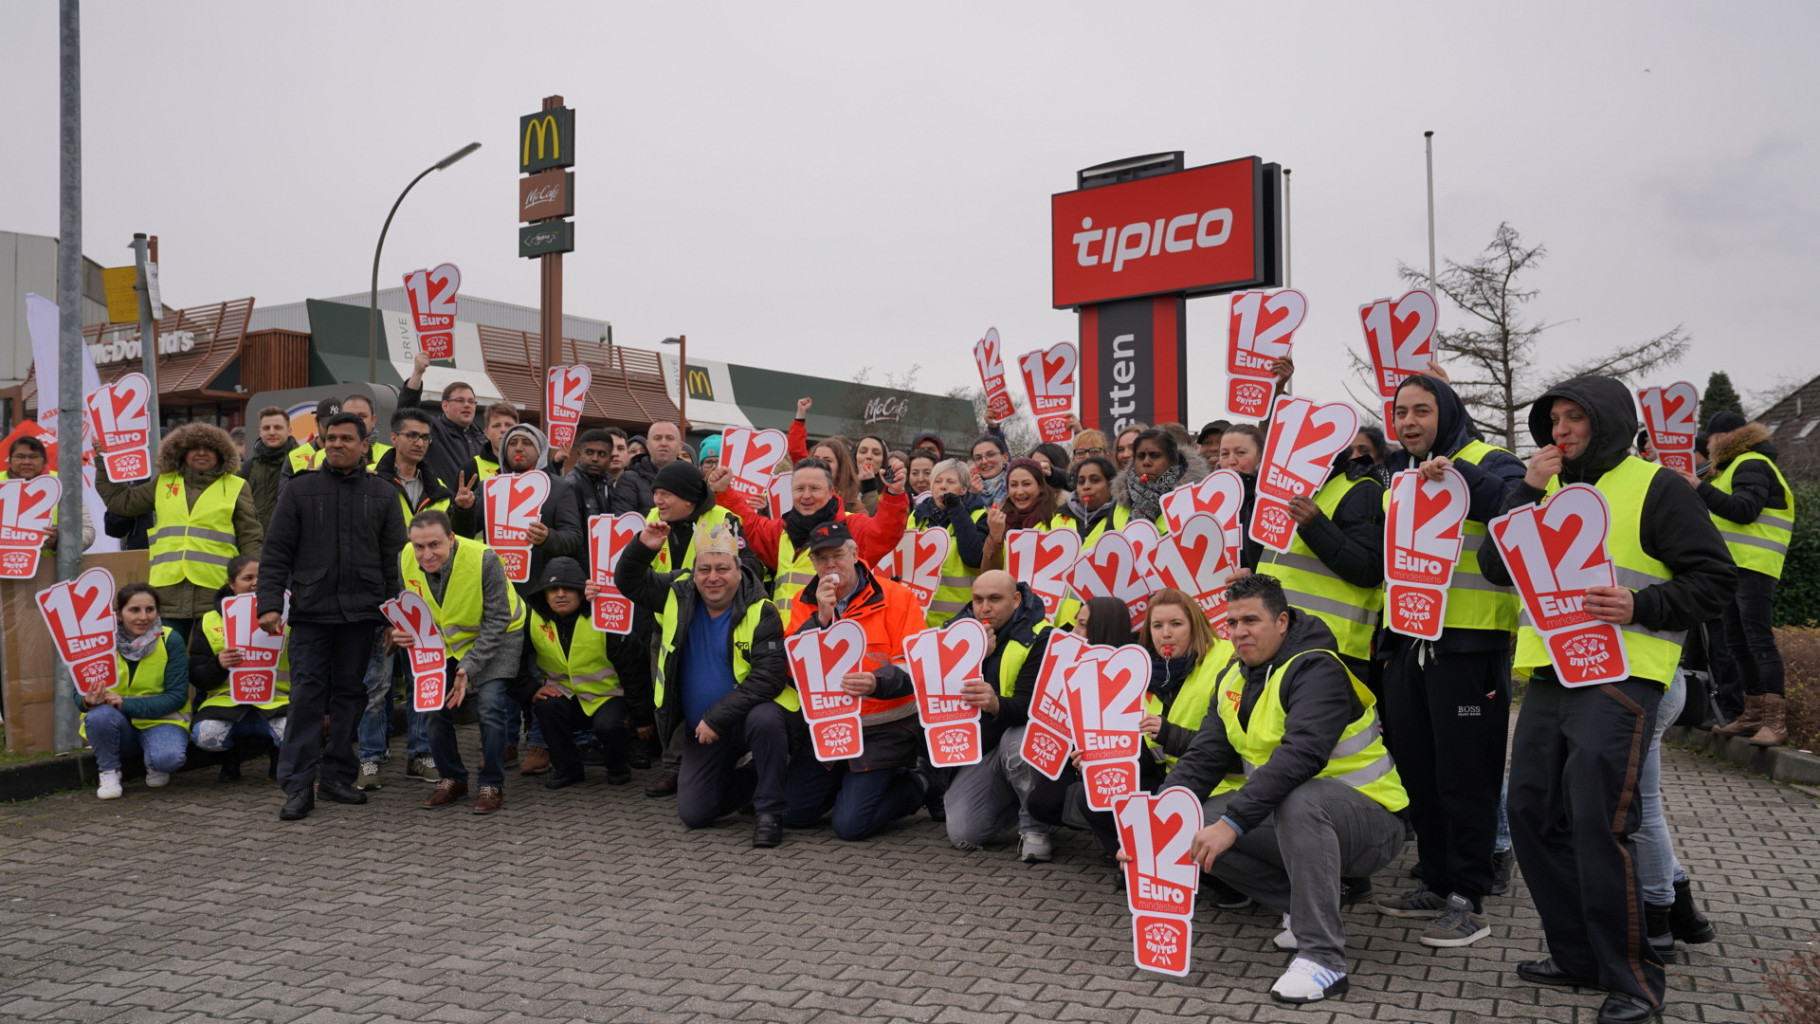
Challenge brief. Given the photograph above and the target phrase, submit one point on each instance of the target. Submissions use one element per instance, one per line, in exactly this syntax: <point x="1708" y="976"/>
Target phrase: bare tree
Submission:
<point x="1492" y="357"/>
<point x="1020" y="430"/>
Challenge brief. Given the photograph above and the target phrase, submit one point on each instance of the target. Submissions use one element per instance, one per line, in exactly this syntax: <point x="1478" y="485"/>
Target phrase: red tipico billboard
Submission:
<point x="1192" y="231"/>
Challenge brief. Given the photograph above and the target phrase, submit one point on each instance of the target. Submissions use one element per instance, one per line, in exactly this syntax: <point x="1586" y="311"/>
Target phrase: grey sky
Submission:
<point x="830" y="186"/>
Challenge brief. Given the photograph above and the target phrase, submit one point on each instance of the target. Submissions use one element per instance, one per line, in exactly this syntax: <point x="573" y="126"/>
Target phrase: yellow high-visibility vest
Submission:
<point x="216" y="631"/>
<point x="1760" y="546"/>
<point x="460" y="612"/>
<point x="1351" y="612"/>
<point x="194" y="544"/>
<point x="582" y="670"/>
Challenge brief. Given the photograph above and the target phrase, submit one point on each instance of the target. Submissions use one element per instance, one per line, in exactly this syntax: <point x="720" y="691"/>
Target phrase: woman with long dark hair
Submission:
<point x="143" y="714"/>
<point x="1030" y="504"/>
<point x="1158" y="465"/>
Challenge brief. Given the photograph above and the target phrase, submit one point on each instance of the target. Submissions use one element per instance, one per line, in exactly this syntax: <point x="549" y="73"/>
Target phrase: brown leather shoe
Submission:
<point x="661" y="784"/>
<point x="447" y="791"/>
<point x="536" y="760"/>
<point x="489" y="800"/>
<point x="1748" y="721"/>
<point x="1774" y="731"/>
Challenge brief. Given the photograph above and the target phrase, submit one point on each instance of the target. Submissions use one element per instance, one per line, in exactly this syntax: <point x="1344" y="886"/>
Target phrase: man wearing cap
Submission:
<point x="870" y="791"/>
<point x="723" y="679"/>
<point x="1754" y="509"/>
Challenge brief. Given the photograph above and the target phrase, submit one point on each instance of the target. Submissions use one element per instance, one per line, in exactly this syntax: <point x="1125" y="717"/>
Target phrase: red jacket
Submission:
<point x="876" y="535"/>
<point x="797" y="441"/>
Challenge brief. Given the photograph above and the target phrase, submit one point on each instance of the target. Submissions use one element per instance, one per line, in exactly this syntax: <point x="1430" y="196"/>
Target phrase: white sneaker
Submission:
<point x="1308" y="982"/>
<point x="110" y="786"/>
<point x="1034" y="847"/>
<point x="1285" y="939"/>
<point x="157" y="779"/>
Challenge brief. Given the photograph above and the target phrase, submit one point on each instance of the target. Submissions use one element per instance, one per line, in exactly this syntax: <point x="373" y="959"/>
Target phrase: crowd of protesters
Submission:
<point x="1320" y="741"/>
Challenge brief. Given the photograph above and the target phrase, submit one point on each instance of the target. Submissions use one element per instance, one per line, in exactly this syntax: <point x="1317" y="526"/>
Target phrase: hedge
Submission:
<point x="1798" y="595"/>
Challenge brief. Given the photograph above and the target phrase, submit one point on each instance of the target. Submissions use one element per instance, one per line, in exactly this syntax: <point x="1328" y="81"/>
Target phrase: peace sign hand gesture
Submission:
<point x="464" y="494"/>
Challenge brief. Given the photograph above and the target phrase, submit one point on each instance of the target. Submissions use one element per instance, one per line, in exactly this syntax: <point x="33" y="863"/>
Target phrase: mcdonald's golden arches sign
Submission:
<point x="546" y="139"/>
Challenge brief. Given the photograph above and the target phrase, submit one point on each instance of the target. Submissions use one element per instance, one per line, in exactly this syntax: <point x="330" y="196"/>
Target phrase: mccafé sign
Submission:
<point x="1192" y="232"/>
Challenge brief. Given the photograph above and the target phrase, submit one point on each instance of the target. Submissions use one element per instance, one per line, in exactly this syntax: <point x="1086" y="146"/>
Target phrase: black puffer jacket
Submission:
<point x="450" y="446"/>
<point x="334" y="544"/>
<point x="632" y="491"/>
<point x="1675" y="530"/>
<point x="1754" y="485"/>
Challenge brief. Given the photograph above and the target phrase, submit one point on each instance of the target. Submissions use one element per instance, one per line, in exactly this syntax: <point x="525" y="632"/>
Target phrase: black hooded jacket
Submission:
<point x="1014" y="710"/>
<point x="568" y="573"/>
<point x="1754" y="485"/>
<point x="1351" y="544"/>
<point x="1318" y="702"/>
<point x="632" y="491"/>
<point x="1675" y="530"/>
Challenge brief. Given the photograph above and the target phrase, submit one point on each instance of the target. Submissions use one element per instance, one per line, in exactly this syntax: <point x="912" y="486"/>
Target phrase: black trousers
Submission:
<point x="707" y="788"/>
<point x="1749" y="638"/>
<point x="328" y="676"/>
<point x="1574" y="765"/>
<point x="1446" y="717"/>
<point x="561" y="716"/>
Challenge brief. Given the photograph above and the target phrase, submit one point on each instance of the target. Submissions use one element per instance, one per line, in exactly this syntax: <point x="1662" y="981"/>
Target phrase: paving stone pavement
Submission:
<point x="592" y="903"/>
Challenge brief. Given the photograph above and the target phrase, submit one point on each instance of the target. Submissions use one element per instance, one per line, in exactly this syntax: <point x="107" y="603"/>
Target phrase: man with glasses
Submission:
<point x="454" y="436"/>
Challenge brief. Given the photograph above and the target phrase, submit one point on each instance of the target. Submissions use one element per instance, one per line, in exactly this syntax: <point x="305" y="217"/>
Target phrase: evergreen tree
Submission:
<point x="1720" y="395"/>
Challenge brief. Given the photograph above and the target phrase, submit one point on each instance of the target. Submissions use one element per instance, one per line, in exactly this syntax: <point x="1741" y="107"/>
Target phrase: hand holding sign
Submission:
<point x="1304" y="438"/>
<point x="1555" y="553"/>
<point x="751" y="455"/>
<point x="942" y="662"/>
<point x="607" y="538"/>
<point x="25" y="523"/>
<point x="255" y="679"/>
<point x="1259" y="332"/>
<point x="1105" y="709"/>
<point x="565" y="393"/>
<point x="1049" y="735"/>
<point x="1049" y="380"/>
<point x="1669" y="414"/>
<point x="79" y="614"/>
<point x="1192" y="559"/>
<point x="1161" y="878"/>
<point x="1422" y="541"/>
<point x="432" y="297"/>
<point x="986" y="355"/>
<point x="411" y="614"/>
<point x="818" y="662"/>
<point x="514" y="501"/>
<point x="122" y="427"/>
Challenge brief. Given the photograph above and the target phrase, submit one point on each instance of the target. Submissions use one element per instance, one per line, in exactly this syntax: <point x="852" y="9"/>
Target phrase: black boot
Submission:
<point x="230" y="765"/>
<point x="1685" y="920"/>
<point x="1661" y="937"/>
<point x="1503" y="863"/>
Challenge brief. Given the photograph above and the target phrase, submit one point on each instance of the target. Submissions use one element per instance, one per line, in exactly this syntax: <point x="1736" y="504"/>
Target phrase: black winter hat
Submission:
<point x="681" y="479"/>
<point x="1723" y="421"/>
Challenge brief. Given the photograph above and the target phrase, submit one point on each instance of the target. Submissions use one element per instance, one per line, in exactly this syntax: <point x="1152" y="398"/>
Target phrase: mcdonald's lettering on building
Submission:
<point x="546" y="139"/>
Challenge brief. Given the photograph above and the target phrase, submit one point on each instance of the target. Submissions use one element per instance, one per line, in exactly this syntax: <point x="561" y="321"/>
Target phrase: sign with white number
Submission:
<point x="917" y="560"/>
<point x="1105" y="708"/>
<point x="1422" y="540"/>
<point x="1193" y="560"/>
<point x="941" y="661"/>
<point x="1259" y="332"/>
<point x="1400" y="336"/>
<point x="255" y="679"/>
<point x="987" y="356"/>
<point x="1220" y="494"/>
<point x="122" y="426"/>
<point x="819" y="660"/>
<point x="750" y="455"/>
<point x="514" y="502"/>
<point x="1669" y="413"/>
<point x="1043" y="561"/>
<point x="565" y="392"/>
<point x="26" y="507"/>
<point x="79" y="614"/>
<point x="607" y="538"/>
<point x="782" y="500"/>
<point x="1115" y="567"/>
<point x="428" y="651"/>
<point x="432" y="298"/>
<point x="1556" y="551"/>
<point x="1049" y="734"/>
<point x="1304" y="438"/>
<point x="1160" y="878"/>
<point x="1049" y="380"/>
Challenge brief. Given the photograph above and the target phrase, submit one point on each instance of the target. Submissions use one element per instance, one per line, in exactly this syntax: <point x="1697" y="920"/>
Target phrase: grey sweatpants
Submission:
<point x="1293" y="861"/>
<point x="987" y="798"/>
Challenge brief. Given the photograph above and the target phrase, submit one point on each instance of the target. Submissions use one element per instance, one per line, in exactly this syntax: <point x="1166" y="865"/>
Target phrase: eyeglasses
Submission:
<point x="414" y="435"/>
<point x="459" y="401"/>
<point x="1090" y="452"/>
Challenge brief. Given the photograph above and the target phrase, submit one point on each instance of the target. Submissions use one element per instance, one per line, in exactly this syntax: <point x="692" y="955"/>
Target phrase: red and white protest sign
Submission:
<point x="987" y="355"/>
<point x="1422" y="540"/>
<point x="1259" y="332"/>
<point x="1304" y="438"/>
<point x="1192" y="559"/>
<point x="1556" y="551"/>
<point x="25" y="523"/>
<point x="1669" y="413"/>
<point x="514" y="502"/>
<point x="1049" y="381"/>
<point x="565" y="392"/>
<point x="1400" y="336"/>
<point x="432" y="297"/>
<point x="1220" y="494"/>
<point x="1105" y="707"/>
<point x="1115" y="567"/>
<point x="122" y="426"/>
<point x="917" y="560"/>
<point x="819" y="660"/>
<point x="1049" y="733"/>
<point x="782" y="499"/>
<point x="1043" y="560"/>
<point x="1160" y="878"/>
<point x="428" y="651"/>
<point x="255" y="679"/>
<point x="607" y="538"/>
<point x="941" y="661"/>
<point x="79" y="614"/>
<point x="750" y="455"/>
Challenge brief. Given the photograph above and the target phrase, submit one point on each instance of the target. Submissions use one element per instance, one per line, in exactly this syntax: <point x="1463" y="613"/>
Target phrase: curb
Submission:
<point x="1783" y="764"/>
<point x="34" y="779"/>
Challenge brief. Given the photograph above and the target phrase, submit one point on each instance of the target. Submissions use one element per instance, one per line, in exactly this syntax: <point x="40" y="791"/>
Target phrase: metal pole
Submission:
<point x="373" y="291"/>
<point x="148" y="333"/>
<point x="1429" y="139"/>
<point x="68" y="399"/>
<point x="682" y="378"/>
<point x="1286" y="233"/>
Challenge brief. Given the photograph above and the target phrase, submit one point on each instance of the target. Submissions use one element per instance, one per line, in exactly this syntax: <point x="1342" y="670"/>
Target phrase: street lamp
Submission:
<point x="373" y="293"/>
<point x="682" y="381"/>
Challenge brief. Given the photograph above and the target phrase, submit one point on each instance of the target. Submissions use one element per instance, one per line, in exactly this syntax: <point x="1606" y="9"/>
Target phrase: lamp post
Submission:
<point x="373" y="293"/>
<point x="681" y="342"/>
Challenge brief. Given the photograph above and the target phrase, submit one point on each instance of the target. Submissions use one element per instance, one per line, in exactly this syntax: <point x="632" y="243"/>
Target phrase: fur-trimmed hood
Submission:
<point x="1752" y="436"/>
<point x="180" y="441"/>
<point x="1194" y="470"/>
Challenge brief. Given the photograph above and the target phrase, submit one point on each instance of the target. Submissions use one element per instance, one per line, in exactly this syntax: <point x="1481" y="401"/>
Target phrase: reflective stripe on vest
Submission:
<point x="194" y="544"/>
<point x="1652" y="654"/>
<point x="582" y="671"/>
<point x="216" y="632"/>
<point x="954" y="592"/>
<point x="1359" y="759"/>
<point x="1193" y="699"/>
<point x="661" y="563"/>
<point x="1760" y="546"/>
<point x="1351" y="612"/>
<point x="460" y="614"/>
<point x="145" y="678"/>
<point x="743" y="633"/>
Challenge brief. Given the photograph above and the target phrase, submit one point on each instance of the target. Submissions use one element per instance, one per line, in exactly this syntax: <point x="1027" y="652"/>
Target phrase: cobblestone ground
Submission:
<point x="195" y="903"/>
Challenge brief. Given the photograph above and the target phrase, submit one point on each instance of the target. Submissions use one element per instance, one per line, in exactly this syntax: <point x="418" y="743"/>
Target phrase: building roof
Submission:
<point x="1794" y="426"/>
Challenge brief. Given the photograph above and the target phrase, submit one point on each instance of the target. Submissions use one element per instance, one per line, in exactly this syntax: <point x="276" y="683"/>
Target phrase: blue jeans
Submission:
<point x="1657" y="866"/>
<point x="376" y="721"/>
<point x="493" y="719"/>
<point x="114" y="738"/>
<point x="519" y="717"/>
<point x="863" y="802"/>
<point x="1503" y="842"/>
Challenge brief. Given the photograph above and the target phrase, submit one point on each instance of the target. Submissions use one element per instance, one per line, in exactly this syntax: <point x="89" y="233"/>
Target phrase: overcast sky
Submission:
<point x="828" y="187"/>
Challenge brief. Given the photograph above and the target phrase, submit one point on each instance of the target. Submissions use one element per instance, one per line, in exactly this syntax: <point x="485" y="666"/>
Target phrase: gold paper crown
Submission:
<point x="719" y="537"/>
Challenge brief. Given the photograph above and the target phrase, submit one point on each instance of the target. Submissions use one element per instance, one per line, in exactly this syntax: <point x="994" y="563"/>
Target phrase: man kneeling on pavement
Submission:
<point x="1303" y="790"/>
